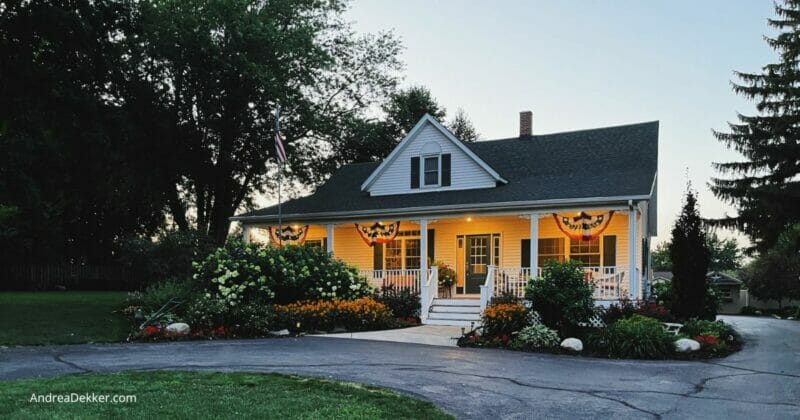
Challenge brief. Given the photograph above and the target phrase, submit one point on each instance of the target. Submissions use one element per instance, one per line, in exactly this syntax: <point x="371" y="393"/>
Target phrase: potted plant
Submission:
<point x="447" y="278"/>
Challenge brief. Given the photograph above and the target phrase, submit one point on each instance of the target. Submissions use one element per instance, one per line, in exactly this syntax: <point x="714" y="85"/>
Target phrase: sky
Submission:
<point x="587" y="64"/>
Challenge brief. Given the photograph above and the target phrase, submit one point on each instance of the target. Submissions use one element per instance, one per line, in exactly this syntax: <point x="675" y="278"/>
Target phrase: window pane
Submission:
<point x="431" y="164"/>
<point x="412" y="254"/>
<point x="394" y="255"/>
<point x="431" y="178"/>
<point x="587" y="252"/>
<point x="431" y="169"/>
<point x="551" y="249"/>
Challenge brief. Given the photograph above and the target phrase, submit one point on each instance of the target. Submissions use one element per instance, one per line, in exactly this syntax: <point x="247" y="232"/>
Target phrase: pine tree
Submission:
<point x="690" y="259"/>
<point x="765" y="187"/>
<point x="462" y="127"/>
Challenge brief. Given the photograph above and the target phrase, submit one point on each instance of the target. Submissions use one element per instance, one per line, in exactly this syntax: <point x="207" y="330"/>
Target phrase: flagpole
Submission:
<point x="280" y="176"/>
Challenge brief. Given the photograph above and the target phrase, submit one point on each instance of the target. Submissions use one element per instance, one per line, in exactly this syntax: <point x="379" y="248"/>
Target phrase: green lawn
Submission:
<point x="31" y="318"/>
<point x="210" y="395"/>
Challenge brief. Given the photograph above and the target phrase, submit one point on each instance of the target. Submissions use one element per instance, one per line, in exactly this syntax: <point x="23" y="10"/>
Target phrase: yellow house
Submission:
<point x="586" y="195"/>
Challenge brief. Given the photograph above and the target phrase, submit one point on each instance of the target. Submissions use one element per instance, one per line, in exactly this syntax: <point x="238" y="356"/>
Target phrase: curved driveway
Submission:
<point x="762" y="381"/>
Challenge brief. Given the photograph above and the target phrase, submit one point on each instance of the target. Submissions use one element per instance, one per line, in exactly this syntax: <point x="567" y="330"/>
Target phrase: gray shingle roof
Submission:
<point x="604" y="162"/>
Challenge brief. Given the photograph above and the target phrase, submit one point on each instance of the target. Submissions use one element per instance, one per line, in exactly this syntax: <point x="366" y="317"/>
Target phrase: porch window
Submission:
<point x="412" y="254"/>
<point x="431" y="170"/>
<point x="394" y="255"/>
<point x="551" y="249"/>
<point x="402" y="253"/>
<point x="587" y="252"/>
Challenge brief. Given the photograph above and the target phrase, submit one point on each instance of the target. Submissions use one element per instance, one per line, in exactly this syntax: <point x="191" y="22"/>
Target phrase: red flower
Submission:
<point x="706" y="339"/>
<point x="150" y="330"/>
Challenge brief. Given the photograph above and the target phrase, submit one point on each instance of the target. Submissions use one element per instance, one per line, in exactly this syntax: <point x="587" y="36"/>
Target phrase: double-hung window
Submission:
<point x="430" y="171"/>
<point x="588" y="252"/>
<point x="403" y="253"/>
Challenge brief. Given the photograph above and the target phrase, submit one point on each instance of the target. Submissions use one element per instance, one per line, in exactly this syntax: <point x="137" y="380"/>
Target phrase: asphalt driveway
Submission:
<point x="762" y="381"/>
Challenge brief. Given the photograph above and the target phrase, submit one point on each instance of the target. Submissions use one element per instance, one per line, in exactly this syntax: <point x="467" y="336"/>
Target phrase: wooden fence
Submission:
<point x="69" y="276"/>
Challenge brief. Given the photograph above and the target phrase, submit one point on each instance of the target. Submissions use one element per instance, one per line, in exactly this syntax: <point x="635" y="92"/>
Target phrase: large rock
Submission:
<point x="573" y="344"/>
<point x="686" y="345"/>
<point x="178" y="328"/>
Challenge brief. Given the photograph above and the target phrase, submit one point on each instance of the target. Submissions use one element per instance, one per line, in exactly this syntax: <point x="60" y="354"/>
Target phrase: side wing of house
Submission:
<point x="430" y="159"/>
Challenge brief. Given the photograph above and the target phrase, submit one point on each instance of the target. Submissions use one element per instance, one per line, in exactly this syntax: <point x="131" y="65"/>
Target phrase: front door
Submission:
<point x="478" y="255"/>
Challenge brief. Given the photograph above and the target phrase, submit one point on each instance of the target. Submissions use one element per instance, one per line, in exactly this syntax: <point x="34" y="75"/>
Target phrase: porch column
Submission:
<point x="423" y="251"/>
<point x="245" y="233"/>
<point x="329" y="240"/>
<point x="632" y="243"/>
<point x="534" y="244"/>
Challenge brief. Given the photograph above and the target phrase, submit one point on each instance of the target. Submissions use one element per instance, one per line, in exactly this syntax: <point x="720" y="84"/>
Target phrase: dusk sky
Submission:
<point x="587" y="64"/>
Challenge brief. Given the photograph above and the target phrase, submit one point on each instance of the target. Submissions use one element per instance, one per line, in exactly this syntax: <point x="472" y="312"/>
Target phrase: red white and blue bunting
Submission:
<point x="288" y="235"/>
<point x="583" y="226"/>
<point x="378" y="233"/>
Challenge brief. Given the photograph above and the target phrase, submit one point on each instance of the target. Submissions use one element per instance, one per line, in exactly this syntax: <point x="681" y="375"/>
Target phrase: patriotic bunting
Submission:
<point x="583" y="226"/>
<point x="378" y="233"/>
<point x="288" y="235"/>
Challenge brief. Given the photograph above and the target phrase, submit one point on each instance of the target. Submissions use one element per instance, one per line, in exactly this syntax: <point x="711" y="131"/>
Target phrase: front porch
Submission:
<point x="492" y="255"/>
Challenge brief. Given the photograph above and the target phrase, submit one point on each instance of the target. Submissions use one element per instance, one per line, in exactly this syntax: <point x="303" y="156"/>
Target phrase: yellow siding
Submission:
<point x="349" y="246"/>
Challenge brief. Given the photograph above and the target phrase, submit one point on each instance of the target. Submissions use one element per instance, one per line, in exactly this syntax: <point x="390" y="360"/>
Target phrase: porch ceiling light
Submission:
<point x="469" y="219"/>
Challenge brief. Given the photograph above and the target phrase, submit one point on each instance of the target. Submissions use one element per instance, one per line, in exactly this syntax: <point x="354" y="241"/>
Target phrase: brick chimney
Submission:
<point x="525" y="123"/>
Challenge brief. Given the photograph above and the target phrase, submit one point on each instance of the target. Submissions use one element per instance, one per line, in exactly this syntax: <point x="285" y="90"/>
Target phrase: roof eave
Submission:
<point x="438" y="210"/>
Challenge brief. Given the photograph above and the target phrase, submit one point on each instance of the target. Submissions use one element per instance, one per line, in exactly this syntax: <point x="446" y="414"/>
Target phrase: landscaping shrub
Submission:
<point x="661" y="293"/>
<point x="244" y="272"/>
<point x="325" y="315"/>
<point x="504" y="319"/>
<point x="403" y="302"/>
<point x="637" y="337"/>
<point x="159" y="294"/>
<point x="626" y="309"/>
<point x="536" y="337"/>
<point x="696" y="327"/>
<point x="234" y="274"/>
<point x="505" y="298"/>
<point x="561" y="296"/>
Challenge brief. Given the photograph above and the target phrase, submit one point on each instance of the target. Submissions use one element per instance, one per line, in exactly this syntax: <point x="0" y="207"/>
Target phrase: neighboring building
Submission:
<point x="732" y="297"/>
<point x="586" y="195"/>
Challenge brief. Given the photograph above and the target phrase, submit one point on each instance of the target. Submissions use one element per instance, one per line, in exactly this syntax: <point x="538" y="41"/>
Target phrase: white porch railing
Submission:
<point x="487" y="288"/>
<point x="397" y="278"/>
<point x="428" y="292"/>
<point x="611" y="283"/>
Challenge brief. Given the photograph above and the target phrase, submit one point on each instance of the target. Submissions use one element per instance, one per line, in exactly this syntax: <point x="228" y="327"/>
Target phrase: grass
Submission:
<point x="211" y="395"/>
<point x="36" y="318"/>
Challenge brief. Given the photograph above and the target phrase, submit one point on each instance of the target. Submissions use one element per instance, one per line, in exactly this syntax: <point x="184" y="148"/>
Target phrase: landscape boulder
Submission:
<point x="686" y="345"/>
<point x="178" y="328"/>
<point x="573" y="344"/>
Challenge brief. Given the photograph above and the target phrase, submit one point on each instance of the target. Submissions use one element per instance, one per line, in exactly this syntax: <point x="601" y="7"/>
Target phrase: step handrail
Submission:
<point x="428" y="292"/>
<point x="487" y="288"/>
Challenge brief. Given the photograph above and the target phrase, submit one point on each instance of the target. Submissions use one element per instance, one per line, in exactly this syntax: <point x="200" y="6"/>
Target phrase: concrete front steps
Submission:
<point x="456" y="312"/>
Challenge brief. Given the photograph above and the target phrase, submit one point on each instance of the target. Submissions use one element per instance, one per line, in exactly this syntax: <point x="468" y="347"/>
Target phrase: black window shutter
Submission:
<point x="415" y="172"/>
<point x="446" y="170"/>
<point x="377" y="257"/>
<point x="609" y="251"/>
<point x="431" y="241"/>
<point x="526" y="253"/>
<point x="325" y="244"/>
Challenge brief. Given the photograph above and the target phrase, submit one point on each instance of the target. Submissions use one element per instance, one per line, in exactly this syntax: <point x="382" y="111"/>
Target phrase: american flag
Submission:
<point x="279" y="150"/>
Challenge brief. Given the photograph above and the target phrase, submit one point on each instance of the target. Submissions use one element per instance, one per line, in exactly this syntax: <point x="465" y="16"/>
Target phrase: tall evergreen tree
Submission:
<point x="765" y="187"/>
<point x="462" y="127"/>
<point x="690" y="258"/>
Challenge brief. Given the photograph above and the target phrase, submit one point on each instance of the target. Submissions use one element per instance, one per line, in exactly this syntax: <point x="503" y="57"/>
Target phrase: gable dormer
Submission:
<point x="430" y="159"/>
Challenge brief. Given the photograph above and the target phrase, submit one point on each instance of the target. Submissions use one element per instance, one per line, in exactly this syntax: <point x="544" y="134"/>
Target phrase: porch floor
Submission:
<point x="432" y="335"/>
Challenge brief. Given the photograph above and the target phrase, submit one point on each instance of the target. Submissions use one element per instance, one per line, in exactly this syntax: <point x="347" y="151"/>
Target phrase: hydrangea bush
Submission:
<point x="536" y="336"/>
<point x="239" y="273"/>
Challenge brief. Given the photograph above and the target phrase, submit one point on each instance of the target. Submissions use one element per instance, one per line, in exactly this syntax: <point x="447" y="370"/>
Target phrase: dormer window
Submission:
<point x="431" y="171"/>
<point x="431" y="168"/>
